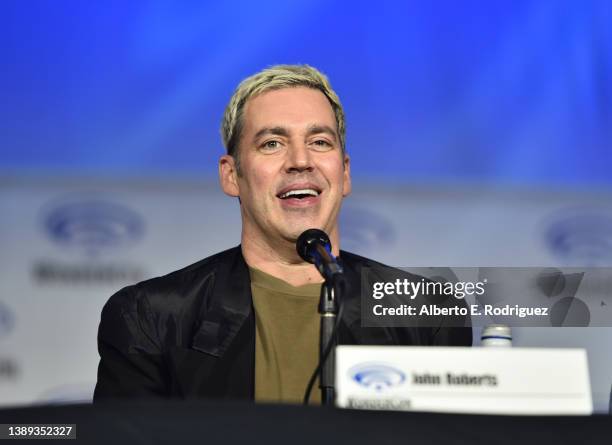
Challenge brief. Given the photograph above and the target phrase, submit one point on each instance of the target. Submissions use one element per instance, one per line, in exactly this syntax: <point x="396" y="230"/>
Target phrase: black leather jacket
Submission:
<point x="191" y="334"/>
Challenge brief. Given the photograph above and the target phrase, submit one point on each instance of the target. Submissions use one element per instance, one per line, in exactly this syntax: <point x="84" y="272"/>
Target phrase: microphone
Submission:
<point x="313" y="246"/>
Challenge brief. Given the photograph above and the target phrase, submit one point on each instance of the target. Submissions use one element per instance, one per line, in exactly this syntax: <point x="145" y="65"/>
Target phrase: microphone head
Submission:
<point x="308" y="240"/>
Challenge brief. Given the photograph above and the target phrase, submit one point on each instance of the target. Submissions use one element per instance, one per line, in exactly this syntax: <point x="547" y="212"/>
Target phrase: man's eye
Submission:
<point x="270" y="145"/>
<point x="322" y="144"/>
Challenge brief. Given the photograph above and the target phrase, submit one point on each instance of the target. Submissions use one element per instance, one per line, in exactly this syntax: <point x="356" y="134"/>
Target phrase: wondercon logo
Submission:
<point x="93" y="225"/>
<point x="364" y="229"/>
<point x="377" y="376"/>
<point x="581" y="234"/>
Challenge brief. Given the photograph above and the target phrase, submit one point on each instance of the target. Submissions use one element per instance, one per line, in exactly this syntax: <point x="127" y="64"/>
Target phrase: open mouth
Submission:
<point x="299" y="194"/>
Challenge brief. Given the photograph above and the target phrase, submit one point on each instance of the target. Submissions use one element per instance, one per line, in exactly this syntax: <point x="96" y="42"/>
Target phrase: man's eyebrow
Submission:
<point x="316" y="129"/>
<point x="282" y="131"/>
<point x="277" y="131"/>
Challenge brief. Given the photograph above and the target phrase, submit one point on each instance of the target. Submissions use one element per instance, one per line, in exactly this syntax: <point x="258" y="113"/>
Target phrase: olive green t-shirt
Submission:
<point x="286" y="338"/>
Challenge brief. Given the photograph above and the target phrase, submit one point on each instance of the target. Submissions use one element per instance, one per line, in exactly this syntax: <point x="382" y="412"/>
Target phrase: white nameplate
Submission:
<point x="464" y="380"/>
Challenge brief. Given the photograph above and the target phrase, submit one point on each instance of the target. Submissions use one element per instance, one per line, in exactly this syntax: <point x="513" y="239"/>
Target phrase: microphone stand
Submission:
<point x="328" y="308"/>
<point x="314" y="247"/>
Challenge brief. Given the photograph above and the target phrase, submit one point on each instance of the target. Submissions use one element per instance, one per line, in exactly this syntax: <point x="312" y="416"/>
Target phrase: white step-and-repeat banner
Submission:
<point x="67" y="245"/>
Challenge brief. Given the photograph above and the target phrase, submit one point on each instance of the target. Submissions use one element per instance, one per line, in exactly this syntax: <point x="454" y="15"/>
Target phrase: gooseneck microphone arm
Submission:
<point x="314" y="247"/>
<point x="325" y="261"/>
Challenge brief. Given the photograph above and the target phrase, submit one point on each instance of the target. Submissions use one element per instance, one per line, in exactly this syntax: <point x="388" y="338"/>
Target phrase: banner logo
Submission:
<point x="584" y="236"/>
<point x="364" y="229"/>
<point x="93" y="226"/>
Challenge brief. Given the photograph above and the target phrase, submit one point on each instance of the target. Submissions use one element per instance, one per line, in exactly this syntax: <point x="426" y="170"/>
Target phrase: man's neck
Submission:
<point x="280" y="261"/>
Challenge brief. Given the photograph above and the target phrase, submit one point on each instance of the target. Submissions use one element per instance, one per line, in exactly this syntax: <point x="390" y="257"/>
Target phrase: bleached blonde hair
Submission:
<point x="275" y="78"/>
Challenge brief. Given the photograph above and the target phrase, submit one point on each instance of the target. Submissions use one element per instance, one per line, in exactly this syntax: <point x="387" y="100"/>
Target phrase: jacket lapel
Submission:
<point x="221" y="360"/>
<point x="229" y="306"/>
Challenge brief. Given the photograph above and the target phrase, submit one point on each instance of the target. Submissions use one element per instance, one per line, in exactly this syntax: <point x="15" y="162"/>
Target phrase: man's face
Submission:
<point x="293" y="175"/>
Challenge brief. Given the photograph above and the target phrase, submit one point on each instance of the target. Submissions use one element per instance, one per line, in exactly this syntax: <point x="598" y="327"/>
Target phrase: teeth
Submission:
<point x="300" y="192"/>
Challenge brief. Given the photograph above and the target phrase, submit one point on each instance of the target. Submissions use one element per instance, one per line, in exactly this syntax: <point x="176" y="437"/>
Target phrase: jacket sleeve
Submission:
<point x="131" y="363"/>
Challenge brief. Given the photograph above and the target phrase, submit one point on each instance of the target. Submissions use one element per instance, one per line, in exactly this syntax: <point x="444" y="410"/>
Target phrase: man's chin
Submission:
<point x="294" y="232"/>
<point x="292" y="228"/>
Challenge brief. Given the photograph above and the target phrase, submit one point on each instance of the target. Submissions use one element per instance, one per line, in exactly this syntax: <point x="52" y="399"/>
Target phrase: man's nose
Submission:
<point x="299" y="158"/>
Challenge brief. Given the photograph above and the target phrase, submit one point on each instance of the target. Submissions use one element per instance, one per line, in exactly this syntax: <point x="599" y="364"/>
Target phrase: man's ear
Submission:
<point x="228" y="176"/>
<point x="346" y="187"/>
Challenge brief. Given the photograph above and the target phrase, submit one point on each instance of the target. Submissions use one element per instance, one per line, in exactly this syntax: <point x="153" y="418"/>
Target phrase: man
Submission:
<point x="243" y="323"/>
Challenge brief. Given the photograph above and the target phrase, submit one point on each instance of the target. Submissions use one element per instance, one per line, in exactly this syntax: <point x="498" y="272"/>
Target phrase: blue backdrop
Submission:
<point x="471" y="91"/>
